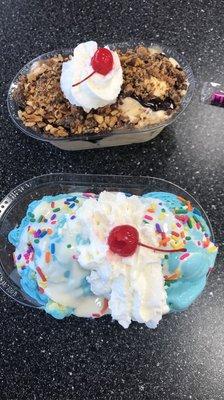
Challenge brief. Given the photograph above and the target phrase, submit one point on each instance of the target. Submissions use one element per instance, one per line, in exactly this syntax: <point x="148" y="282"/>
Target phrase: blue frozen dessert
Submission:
<point x="134" y="257"/>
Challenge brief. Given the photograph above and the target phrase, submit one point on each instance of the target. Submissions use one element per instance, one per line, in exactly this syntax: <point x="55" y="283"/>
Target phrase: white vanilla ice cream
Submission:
<point x="98" y="90"/>
<point x="133" y="285"/>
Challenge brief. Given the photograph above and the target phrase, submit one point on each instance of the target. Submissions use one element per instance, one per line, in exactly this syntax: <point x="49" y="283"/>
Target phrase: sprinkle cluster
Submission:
<point x="182" y="231"/>
<point x="40" y="226"/>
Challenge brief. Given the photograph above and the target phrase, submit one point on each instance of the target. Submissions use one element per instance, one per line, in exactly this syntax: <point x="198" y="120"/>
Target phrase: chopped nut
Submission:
<point x="113" y="121"/>
<point x="142" y="52"/>
<point x="58" y="114"/>
<point x="114" y="112"/>
<point x="79" y="129"/>
<point x="107" y="120"/>
<point x="29" y="124"/>
<point x="35" y="118"/>
<point x="41" y="124"/>
<point x="20" y="114"/>
<point x="29" y="103"/>
<point x="40" y="111"/>
<point x="29" y="110"/>
<point x="48" y="127"/>
<point x="98" y="118"/>
<point x="103" y="126"/>
<point x="61" y="131"/>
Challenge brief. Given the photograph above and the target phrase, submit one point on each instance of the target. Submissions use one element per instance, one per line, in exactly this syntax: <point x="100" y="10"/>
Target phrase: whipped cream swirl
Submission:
<point x="96" y="91"/>
<point x="133" y="285"/>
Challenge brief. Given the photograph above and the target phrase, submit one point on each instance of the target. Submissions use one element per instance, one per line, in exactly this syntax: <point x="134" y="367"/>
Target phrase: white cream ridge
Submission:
<point x="133" y="285"/>
<point x="98" y="90"/>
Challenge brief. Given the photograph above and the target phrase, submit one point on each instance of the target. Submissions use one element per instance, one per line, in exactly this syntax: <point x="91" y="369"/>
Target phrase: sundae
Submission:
<point x="133" y="257"/>
<point x="97" y="89"/>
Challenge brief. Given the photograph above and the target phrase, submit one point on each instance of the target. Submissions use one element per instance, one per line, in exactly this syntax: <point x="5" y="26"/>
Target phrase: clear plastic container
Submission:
<point x="105" y="139"/>
<point x="13" y="208"/>
<point x="213" y="93"/>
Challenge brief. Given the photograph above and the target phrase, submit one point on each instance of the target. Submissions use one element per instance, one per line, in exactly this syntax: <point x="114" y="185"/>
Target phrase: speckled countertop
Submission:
<point x="42" y="358"/>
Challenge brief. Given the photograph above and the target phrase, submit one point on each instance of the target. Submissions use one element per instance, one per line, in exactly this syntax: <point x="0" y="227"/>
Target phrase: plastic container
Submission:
<point x="13" y="208"/>
<point x="115" y="137"/>
<point x="213" y="93"/>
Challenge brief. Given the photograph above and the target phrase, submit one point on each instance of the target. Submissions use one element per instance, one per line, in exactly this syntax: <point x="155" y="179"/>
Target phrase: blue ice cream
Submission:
<point x="194" y="265"/>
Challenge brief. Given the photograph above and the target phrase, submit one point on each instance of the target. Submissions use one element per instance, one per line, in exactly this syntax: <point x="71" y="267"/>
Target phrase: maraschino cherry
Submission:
<point x="124" y="239"/>
<point x="101" y="62"/>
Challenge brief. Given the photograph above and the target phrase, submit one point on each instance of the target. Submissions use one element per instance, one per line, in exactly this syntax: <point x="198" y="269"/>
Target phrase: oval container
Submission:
<point x="13" y="208"/>
<point x="115" y="137"/>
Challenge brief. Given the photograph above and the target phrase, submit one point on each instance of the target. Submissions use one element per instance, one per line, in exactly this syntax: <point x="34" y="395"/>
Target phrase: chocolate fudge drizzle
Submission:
<point x="156" y="104"/>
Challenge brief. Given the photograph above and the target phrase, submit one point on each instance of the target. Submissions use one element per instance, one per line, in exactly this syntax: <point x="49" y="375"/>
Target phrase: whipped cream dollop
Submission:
<point x="133" y="285"/>
<point x="96" y="91"/>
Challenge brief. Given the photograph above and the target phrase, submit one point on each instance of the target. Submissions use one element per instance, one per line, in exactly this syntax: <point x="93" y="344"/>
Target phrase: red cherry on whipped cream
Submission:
<point x="101" y="62"/>
<point x="124" y="239"/>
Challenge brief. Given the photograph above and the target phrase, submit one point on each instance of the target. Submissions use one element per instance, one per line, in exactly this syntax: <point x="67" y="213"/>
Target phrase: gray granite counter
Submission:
<point x="42" y="358"/>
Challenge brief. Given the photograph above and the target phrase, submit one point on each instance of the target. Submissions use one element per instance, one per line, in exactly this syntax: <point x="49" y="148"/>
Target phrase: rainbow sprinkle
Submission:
<point x="47" y="257"/>
<point x="158" y="228"/>
<point x="44" y="233"/>
<point x="40" y="272"/>
<point x="181" y="211"/>
<point x="189" y="223"/>
<point x="185" y="255"/>
<point x="52" y="248"/>
<point x="197" y="212"/>
<point x="182" y="218"/>
<point x="182" y="199"/>
<point x="175" y="234"/>
<point x="31" y="215"/>
<point x="148" y="217"/>
<point x="69" y="199"/>
<point x="56" y="209"/>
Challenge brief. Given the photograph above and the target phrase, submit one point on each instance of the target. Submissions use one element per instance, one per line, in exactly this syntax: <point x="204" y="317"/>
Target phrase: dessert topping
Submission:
<point x="99" y="70"/>
<point x="124" y="239"/>
<point x="102" y="62"/>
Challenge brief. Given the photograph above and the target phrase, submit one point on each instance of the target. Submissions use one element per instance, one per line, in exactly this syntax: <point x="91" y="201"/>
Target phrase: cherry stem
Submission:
<point x="103" y="309"/>
<point x="78" y="83"/>
<point x="162" y="250"/>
